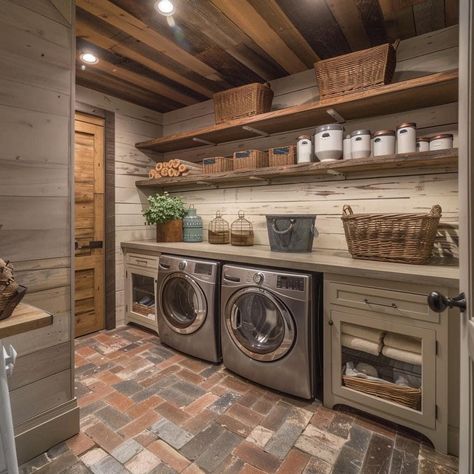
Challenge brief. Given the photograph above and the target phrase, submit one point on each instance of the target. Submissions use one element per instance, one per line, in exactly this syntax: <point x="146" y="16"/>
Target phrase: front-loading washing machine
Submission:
<point x="271" y="327"/>
<point x="187" y="297"/>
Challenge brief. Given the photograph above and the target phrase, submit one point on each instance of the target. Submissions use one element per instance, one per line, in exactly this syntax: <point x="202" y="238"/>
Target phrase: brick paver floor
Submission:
<point x="146" y="408"/>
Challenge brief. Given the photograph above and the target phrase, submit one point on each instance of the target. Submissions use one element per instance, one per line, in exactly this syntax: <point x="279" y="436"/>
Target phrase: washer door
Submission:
<point x="183" y="303"/>
<point x="259" y="324"/>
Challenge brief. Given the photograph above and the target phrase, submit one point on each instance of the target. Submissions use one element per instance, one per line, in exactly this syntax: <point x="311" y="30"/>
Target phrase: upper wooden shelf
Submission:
<point x="435" y="89"/>
<point x="24" y="318"/>
<point x="442" y="159"/>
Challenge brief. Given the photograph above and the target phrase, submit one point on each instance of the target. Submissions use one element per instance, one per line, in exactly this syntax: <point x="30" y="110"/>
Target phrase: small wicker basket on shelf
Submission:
<point x="243" y="101"/>
<point x="241" y="232"/>
<point x="250" y="159"/>
<point x="356" y="71"/>
<point x="404" y="238"/>
<point x="282" y="155"/>
<point x="11" y="293"/>
<point x="401" y="394"/>
<point x="217" y="164"/>
<point x="218" y="232"/>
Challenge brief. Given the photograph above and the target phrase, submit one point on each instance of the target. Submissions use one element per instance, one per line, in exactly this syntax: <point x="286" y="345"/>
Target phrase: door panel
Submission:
<point x="89" y="224"/>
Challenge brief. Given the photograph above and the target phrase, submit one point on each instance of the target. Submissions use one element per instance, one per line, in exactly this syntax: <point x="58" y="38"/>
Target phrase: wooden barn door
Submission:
<point x="89" y="224"/>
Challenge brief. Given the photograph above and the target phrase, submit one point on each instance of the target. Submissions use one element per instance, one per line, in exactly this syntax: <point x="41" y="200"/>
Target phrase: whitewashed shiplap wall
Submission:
<point x="132" y="124"/>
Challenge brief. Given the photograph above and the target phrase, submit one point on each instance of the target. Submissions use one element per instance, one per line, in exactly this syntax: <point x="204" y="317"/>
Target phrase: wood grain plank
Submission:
<point x="24" y="318"/>
<point x="373" y="20"/>
<point x="429" y="16"/>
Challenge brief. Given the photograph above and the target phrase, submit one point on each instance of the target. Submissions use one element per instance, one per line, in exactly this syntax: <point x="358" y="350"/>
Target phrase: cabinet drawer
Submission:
<point x="380" y="300"/>
<point x="144" y="261"/>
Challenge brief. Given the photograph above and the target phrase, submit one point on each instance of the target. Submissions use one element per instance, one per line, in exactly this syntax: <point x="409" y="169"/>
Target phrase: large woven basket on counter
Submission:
<point x="356" y="71"/>
<point x="404" y="238"/>
<point x="244" y="101"/>
<point x="407" y="396"/>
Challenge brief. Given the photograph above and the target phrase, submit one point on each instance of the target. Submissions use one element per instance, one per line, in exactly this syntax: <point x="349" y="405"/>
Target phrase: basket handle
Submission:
<point x="281" y="232"/>
<point x="436" y="211"/>
<point x="267" y="84"/>
<point x="396" y="44"/>
<point x="347" y="210"/>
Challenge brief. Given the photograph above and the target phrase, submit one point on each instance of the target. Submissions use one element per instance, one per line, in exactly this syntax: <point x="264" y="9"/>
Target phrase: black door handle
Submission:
<point x="438" y="302"/>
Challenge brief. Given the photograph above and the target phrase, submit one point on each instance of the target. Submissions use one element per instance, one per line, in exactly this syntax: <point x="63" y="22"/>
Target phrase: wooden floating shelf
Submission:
<point x="24" y="318"/>
<point x="426" y="91"/>
<point x="442" y="159"/>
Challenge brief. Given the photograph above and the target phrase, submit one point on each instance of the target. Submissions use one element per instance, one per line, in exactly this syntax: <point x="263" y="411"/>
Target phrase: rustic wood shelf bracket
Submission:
<point x="204" y="142"/>
<point x="333" y="113"/>
<point x="255" y="130"/>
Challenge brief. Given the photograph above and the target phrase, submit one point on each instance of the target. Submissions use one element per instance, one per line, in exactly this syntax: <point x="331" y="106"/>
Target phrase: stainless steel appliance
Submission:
<point x="271" y="326"/>
<point x="187" y="298"/>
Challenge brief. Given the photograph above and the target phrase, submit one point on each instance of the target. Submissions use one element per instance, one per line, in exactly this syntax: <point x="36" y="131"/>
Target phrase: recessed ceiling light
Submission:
<point x="89" y="58"/>
<point x="165" y="7"/>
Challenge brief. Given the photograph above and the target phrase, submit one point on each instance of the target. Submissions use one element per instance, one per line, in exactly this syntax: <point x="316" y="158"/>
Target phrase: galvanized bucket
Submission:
<point x="291" y="232"/>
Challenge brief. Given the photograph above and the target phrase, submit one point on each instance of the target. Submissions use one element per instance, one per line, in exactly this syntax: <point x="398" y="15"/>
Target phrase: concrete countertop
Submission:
<point x="339" y="262"/>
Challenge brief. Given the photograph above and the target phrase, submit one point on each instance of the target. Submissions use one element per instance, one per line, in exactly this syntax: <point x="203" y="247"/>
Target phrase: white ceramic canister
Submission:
<point x="360" y="144"/>
<point x="346" y="148"/>
<point x="384" y="143"/>
<point x="422" y="144"/>
<point x="406" y="138"/>
<point x="442" y="141"/>
<point x="328" y="142"/>
<point x="304" y="149"/>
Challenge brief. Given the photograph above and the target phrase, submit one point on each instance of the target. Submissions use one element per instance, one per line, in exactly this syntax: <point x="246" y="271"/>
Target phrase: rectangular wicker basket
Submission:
<point x="282" y="155"/>
<point x="404" y="238"/>
<point x="407" y="396"/>
<point x="356" y="71"/>
<point x="250" y="159"/>
<point x="244" y="101"/>
<point x="217" y="164"/>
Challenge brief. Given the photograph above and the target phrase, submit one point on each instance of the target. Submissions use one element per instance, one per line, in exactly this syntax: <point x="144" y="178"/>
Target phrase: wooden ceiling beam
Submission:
<point x="89" y="33"/>
<point x="249" y="20"/>
<point x="348" y="16"/>
<point x="124" y="21"/>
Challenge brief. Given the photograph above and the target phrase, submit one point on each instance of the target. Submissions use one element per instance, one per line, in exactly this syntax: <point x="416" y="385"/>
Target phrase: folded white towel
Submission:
<point x="360" y="344"/>
<point x="400" y="354"/>
<point x="374" y="335"/>
<point x="406" y="343"/>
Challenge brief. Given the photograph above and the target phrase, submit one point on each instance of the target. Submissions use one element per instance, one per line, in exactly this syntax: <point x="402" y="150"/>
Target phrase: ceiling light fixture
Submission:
<point x="89" y="58"/>
<point x="165" y="7"/>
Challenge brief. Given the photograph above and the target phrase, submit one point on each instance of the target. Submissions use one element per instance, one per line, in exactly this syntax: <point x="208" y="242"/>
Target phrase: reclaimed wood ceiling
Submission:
<point x="166" y="63"/>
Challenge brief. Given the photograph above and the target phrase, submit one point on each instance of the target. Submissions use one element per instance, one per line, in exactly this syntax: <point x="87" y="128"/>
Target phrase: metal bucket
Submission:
<point x="291" y="232"/>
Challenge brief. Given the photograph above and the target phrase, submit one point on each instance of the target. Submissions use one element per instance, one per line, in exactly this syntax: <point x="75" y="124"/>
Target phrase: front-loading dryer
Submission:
<point x="269" y="323"/>
<point x="187" y="298"/>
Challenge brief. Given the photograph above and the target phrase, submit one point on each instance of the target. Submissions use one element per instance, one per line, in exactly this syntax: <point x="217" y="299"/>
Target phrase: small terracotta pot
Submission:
<point x="171" y="231"/>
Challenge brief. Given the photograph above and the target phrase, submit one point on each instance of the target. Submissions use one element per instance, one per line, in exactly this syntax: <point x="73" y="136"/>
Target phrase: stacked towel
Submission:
<point x="362" y="339"/>
<point x="404" y="348"/>
<point x="374" y="335"/>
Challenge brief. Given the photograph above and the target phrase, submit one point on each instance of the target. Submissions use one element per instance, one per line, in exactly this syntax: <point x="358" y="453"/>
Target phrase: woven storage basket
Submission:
<point x="244" y="101"/>
<point x="405" y="238"/>
<point x="356" y="71"/>
<point x="218" y="164"/>
<point x="407" y="396"/>
<point x="282" y="155"/>
<point x="11" y="293"/>
<point x="250" y="159"/>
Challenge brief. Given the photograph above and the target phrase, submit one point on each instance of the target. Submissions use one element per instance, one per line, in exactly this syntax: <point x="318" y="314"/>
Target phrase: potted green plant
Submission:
<point x="167" y="213"/>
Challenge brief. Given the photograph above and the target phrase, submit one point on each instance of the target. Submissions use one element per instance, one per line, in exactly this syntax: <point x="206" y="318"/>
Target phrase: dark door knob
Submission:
<point x="438" y="302"/>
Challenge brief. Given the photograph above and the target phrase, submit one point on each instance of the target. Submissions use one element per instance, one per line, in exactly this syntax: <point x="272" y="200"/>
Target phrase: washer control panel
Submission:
<point x="258" y="278"/>
<point x="182" y="265"/>
<point x="290" y="283"/>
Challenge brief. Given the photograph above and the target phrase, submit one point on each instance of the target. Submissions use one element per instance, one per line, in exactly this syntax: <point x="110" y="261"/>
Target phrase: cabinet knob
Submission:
<point x="438" y="302"/>
<point x="331" y="322"/>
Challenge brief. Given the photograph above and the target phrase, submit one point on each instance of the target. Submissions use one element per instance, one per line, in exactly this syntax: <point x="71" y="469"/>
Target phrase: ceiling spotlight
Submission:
<point x="89" y="58"/>
<point x="165" y="7"/>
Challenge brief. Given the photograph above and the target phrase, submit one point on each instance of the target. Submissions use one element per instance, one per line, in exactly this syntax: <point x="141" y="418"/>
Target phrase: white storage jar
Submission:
<point x="346" y="148"/>
<point x="304" y="149"/>
<point x="360" y="144"/>
<point x="328" y="142"/>
<point x="443" y="141"/>
<point x="406" y="137"/>
<point x="384" y="143"/>
<point x="422" y="144"/>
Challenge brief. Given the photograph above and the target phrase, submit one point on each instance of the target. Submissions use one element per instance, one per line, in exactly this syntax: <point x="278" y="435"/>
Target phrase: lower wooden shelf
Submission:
<point x="442" y="159"/>
<point x="24" y="318"/>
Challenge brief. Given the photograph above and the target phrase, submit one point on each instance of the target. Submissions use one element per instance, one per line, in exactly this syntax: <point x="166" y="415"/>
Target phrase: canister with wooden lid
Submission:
<point x="384" y="142"/>
<point x="304" y="149"/>
<point x="423" y="144"/>
<point x="360" y="144"/>
<point x="442" y="141"/>
<point x="406" y="137"/>
<point x="328" y="142"/>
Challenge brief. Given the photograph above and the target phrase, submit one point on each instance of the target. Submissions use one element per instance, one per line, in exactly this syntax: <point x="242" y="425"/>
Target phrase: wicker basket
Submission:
<point x="282" y="155"/>
<point x="11" y="293"/>
<point x="401" y="394"/>
<point x="244" y="101"/>
<point x="250" y="159"/>
<point x="357" y="71"/>
<point x="218" y="164"/>
<point x="405" y="238"/>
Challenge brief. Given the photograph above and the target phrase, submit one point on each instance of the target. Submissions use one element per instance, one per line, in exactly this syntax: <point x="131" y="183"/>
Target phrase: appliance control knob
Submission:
<point x="182" y="265"/>
<point x="258" y="278"/>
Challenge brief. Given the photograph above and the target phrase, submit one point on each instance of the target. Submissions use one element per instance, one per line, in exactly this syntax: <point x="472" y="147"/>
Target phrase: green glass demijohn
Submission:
<point x="192" y="226"/>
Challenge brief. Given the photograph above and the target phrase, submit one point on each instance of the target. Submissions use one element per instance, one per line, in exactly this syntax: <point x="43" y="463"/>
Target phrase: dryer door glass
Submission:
<point x="260" y="325"/>
<point x="184" y="304"/>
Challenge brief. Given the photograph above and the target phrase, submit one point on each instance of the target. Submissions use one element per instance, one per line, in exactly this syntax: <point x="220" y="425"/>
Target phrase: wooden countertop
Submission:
<point x="318" y="261"/>
<point x="24" y="318"/>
